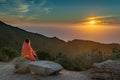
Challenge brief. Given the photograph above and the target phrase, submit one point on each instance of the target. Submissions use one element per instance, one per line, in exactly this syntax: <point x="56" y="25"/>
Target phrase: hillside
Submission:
<point x="13" y="37"/>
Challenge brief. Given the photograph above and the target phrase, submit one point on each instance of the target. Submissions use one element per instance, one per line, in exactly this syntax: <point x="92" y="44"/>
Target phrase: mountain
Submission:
<point x="13" y="37"/>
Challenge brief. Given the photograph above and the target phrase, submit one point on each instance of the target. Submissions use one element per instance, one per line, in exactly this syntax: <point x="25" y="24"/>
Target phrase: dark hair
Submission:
<point x="27" y="40"/>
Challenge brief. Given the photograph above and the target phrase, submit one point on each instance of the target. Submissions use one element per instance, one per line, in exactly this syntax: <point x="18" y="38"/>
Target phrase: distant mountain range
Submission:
<point x="13" y="37"/>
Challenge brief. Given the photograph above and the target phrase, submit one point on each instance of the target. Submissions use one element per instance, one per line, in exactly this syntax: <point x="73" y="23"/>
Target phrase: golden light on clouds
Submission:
<point x="92" y="22"/>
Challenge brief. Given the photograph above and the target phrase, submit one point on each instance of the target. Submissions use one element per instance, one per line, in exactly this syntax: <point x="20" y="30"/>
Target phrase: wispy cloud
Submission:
<point x="23" y="8"/>
<point x="20" y="6"/>
<point x="111" y="19"/>
<point x="99" y="17"/>
<point x="47" y="10"/>
<point x="43" y="2"/>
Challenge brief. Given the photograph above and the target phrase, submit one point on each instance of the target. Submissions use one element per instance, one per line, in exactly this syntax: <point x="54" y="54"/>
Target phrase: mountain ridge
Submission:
<point x="11" y="36"/>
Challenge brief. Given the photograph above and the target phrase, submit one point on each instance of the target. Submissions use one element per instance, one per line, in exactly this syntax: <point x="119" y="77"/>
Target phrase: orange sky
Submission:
<point x="99" y="33"/>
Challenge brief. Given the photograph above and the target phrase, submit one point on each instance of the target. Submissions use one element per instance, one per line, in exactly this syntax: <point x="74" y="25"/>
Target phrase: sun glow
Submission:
<point x="92" y="22"/>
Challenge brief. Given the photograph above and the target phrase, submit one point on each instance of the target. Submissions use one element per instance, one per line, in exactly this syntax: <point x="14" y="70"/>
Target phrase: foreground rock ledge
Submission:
<point x="45" y="68"/>
<point x="21" y="65"/>
<point x="107" y="70"/>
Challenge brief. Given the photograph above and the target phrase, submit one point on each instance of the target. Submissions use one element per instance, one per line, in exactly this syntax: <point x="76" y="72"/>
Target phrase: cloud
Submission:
<point x="43" y="2"/>
<point x="112" y="19"/>
<point x="47" y="10"/>
<point x="38" y="7"/>
<point x="14" y="7"/>
<point x="20" y="6"/>
<point x="23" y="8"/>
<point x="99" y="17"/>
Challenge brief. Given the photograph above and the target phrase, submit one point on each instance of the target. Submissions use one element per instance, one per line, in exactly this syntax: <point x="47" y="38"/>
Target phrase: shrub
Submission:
<point x="114" y="56"/>
<point x="82" y="62"/>
<point x="42" y="55"/>
<point x="7" y="54"/>
<point x="58" y="58"/>
<point x="63" y="60"/>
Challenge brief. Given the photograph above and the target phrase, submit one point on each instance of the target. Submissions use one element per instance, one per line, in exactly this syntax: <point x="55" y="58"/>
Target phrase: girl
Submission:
<point x="27" y="51"/>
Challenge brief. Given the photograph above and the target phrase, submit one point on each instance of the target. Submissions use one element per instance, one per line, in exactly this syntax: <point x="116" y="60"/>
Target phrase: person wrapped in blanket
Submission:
<point x="27" y="51"/>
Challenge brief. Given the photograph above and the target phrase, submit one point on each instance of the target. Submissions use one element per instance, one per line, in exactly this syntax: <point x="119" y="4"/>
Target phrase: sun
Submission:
<point x="92" y="22"/>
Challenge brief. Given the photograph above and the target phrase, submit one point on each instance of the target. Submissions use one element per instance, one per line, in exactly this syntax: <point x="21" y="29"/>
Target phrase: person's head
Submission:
<point x="27" y="40"/>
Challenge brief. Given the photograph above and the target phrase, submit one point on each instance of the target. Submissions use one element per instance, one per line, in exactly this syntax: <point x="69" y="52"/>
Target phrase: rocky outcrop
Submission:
<point x="21" y="65"/>
<point x="45" y="68"/>
<point x="107" y="70"/>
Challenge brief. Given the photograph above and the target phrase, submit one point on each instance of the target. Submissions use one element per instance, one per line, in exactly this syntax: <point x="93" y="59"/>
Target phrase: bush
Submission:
<point x="42" y="55"/>
<point x="82" y="61"/>
<point x="7" y="54"/>
<point x="63" y="60"/>
<point x="58" y="58"/>
<point x="114" y="56"/>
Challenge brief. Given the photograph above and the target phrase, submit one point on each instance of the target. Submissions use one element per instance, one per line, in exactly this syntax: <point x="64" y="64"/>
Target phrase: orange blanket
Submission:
<point x="28" y="52"/>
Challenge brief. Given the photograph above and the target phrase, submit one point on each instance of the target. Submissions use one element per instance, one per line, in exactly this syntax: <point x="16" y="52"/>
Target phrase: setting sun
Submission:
<point x="92" y="22"/>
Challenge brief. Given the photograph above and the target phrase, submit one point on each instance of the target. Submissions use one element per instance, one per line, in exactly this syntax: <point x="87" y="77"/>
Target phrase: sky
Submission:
<point x="97" y="20"/>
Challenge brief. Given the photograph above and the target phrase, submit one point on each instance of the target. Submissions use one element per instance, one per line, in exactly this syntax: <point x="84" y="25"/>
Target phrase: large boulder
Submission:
<point x="21" y="65"/>
<point x="45" y="68"/>
<point x="107" y="70"/>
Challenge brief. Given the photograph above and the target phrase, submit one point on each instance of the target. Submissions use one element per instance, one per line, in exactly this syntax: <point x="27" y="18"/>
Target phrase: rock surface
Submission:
<point x="6" y="73"/>
<point x="107" y="70"/>
<point x="21" y="65"/>
<point x="45" y="67"/>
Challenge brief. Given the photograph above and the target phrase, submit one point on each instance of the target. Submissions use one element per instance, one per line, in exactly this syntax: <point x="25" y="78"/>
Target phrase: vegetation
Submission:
<point x="82" y="61"/>
<point x="42" y="55"/>
<point x="115" y="54"/>
<point x="7" y="54"/>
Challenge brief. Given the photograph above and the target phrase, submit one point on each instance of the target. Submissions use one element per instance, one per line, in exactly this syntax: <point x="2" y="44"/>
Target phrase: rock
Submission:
<point x="21" y="65"/>
<point x="107" y="70"/>
<point x="45" y="68"/>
